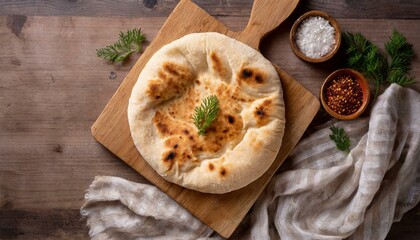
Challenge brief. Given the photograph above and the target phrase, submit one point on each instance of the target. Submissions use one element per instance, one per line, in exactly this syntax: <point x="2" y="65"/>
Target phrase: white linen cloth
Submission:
<point x="319" y="193"/>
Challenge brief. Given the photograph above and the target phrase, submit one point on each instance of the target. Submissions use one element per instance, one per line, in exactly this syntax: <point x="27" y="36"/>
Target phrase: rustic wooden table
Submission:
<point x="53" y="87"/>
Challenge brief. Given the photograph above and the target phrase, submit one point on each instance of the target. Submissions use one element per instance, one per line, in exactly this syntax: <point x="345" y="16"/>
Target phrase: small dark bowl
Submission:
<point x="333" y="23"/>
<point x="364" y="85"/>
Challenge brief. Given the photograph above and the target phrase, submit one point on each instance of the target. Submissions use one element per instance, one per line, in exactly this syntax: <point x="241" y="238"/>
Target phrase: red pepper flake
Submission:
<point x="344" y="95"/>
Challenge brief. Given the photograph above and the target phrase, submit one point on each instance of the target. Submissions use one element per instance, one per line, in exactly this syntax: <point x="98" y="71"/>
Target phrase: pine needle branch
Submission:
<point x="365" y="57"/>
<point x="128" y="43"/>
<point x="206" y="113"/>
<point x="401" y="54"/>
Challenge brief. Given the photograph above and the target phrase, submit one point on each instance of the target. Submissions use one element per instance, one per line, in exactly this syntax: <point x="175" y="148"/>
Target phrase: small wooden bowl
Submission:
<point x="363" y="84"/>
<point x="334" y="24"/>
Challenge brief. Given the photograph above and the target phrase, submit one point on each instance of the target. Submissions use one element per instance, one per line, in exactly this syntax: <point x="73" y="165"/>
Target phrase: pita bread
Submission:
<point x="241" y="143"/>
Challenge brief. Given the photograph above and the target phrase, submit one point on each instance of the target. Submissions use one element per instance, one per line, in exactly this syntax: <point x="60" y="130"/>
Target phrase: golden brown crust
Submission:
<point x="251" y="76"/>
<point x="263" y="112"/>
<point x="218" y="66"/>
<point x="172" y="120"/>
<point x="173" y="79"/>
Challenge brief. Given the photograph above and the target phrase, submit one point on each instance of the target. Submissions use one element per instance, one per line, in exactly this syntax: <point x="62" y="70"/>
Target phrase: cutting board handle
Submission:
<point x="266" y="15"/>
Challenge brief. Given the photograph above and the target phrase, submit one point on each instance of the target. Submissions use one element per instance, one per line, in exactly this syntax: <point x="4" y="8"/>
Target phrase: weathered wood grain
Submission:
<point x="389" y="9"/>
<point x="52" y="88"/>
<point x="35" y="224"/>
<point x="67" y="224"/>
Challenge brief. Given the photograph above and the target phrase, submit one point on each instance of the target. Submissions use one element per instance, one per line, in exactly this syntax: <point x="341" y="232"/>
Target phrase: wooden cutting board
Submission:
<point x="223" y="212"/>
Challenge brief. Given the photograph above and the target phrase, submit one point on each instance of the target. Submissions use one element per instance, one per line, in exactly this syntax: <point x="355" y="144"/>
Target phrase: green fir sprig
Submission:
<point x="128" y="43"/>
<point x="401" y="54"/>
<point x="391" y="66"/>
<point x="206" y="113"/>
<point x="339" y="136"/>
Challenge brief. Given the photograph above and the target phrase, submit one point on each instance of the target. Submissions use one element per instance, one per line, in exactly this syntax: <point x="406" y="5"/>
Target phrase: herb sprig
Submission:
<point x="391" y="66"/>
<point x="128" y="43"/>
<point x="401" y="53"/>
<point x="206" y="113"/>
<point x="339" y="136"/>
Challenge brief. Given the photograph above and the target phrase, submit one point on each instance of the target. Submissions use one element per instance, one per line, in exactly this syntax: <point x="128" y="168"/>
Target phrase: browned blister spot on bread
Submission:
<point x="211" y="166"/>
<point x="231" y="119"/>
<point x="170" y="156"/>
<point x="169" y="159"/>
<point x="263" y="112"/>
<point x="178" y="153"/>
<point x="218" y="65"/>
<point x="173" y="79"/>
<point x="175" y="69"/>
<point x="223" y="172"/>
<point x="251" y="76"/>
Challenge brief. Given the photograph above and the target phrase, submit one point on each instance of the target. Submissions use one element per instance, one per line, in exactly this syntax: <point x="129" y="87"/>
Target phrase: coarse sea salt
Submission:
<point x="315" y="37"/>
